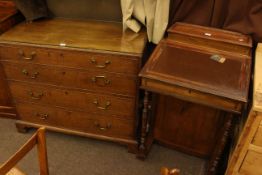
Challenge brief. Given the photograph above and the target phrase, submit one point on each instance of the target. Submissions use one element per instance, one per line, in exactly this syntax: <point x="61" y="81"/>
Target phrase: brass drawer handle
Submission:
<point x="108" y="103"/>
<point x="23" y="56"/>
<point x="41" y="116"/>
<point x="36" y="96"/>
<point x="33" y="76"/>
<point x="102" y="66"/>
<point x="105" y="128"/>
<point x="103" y="79"/>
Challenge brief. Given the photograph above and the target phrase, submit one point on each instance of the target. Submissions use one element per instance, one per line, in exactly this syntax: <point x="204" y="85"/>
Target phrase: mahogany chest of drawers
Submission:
<point x="75" y="76"/>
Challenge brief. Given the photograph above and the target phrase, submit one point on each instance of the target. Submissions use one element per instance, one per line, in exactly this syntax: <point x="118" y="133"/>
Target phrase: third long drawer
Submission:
<point x="74" y="99"/>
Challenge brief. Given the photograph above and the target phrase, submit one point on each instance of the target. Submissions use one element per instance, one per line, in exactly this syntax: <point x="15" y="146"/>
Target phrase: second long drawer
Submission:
<point x="75" y="78"/>
<point x="81" y="100"/>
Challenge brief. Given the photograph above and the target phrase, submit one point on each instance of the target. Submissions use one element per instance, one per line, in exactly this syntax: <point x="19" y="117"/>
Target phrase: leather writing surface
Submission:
<point x="195" y="69"/>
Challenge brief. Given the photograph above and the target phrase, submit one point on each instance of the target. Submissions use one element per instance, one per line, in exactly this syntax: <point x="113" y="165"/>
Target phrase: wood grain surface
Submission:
<point x="83" y="34"/>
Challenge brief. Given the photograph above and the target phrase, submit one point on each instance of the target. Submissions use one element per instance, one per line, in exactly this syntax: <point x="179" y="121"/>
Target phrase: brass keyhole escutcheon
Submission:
<point x="36" y="96"/>
<point x="34" y="75"/>
<point x="41" y="116"/>
<point x="103" y="128"/>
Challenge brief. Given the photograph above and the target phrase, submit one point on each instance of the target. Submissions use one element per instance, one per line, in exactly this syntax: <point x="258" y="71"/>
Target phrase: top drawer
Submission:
<point x="71" y="58"/>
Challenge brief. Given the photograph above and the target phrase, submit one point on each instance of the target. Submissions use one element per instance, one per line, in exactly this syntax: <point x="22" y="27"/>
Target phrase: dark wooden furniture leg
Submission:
<point x="144" y="128"/>
<point x="21" y="127"/>
<point x="221" y="143"/>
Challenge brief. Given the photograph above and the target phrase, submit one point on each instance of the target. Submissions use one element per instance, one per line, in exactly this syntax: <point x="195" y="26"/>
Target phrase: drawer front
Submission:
<point x="94" y="81"/>
<point x="85" y="122"/>
<point x="29" y="54"/>
<point x="90" y="102"/>
<point x="31" y="72"/>
<point x="75" y="59"/>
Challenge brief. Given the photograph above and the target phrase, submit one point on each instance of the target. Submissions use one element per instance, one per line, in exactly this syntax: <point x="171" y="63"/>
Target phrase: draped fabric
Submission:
<point x="151" y="13"/>
<point x="244" y="16"/>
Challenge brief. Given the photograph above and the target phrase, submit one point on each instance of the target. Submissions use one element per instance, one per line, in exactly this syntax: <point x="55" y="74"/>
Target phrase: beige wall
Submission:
<point x="106" y="10"/>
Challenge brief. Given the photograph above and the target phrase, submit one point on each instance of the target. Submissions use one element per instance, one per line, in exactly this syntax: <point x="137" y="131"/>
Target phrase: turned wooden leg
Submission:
<point x="218" y="151"/>
<point x="21" y="128"/>
<point x="166" y="171"/>
<point x="144" y="128"/>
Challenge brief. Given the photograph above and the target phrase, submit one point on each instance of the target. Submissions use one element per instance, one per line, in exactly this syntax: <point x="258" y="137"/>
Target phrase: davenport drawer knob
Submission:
<point x="101" y="66"/>
<point x="105" y="128"/>
<point x="41" y="116"/>
<point x="33" y="75"/>
<point x="101" y="80"/>
<point x="107" y="104"/>
<point x="23" y="56"/>
<point x="36" y="96"/>
<point x="218" y="58"/>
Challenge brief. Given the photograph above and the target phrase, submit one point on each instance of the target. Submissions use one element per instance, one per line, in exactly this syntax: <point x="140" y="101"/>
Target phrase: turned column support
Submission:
<point x="219" y="148"/>
<point x="144" y="127"/>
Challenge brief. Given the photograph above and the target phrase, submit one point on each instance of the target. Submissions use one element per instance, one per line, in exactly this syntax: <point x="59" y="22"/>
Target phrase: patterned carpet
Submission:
<point x="73" y="155"/>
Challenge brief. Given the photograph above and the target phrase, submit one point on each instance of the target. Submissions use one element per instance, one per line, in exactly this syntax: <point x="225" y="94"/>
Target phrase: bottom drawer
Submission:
<point x="80" y="121"/>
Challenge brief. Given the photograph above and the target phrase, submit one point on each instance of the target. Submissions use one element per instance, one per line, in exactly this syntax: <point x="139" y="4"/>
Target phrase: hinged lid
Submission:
<point x="209" y="37"/>
<point x="210" y="34"/>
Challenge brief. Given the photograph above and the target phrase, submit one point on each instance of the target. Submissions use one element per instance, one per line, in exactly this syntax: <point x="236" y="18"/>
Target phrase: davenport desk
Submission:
<point x="201" y="65"/>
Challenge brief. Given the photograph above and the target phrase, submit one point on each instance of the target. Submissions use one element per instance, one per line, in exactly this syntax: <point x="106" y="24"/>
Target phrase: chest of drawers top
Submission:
<point x="77" y="34"/>
<point x="83" y="76"/>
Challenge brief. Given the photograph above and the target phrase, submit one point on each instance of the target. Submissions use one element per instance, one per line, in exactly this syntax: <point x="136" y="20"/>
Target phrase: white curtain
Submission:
<point x="151" y="13"/>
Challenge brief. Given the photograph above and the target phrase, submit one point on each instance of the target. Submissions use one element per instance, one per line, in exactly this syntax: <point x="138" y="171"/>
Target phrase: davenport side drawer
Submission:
<point x="84" y="101"/>
<point x="86" y="122"/>
<point x="88" y="80"/>
<point x="69" y="58"/>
